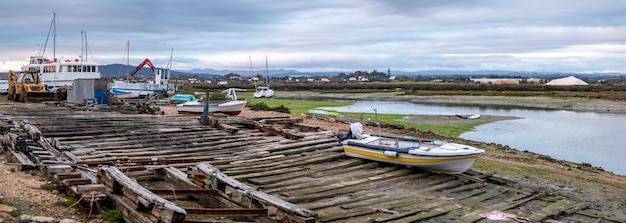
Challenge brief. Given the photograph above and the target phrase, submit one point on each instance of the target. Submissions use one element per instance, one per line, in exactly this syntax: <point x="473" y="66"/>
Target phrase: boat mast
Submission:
<point x="54" y="36"/>
<point x="252" y="74"/>
<point x="127" y="60"/>
<point x="267" y="74"/>
<point x="82" y="44"/>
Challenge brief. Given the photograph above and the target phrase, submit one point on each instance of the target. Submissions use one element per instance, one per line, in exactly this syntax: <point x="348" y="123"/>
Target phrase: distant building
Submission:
<point x="567" y="81"/>
<point x="483" y="80"/>
<point x="534" y="80"/>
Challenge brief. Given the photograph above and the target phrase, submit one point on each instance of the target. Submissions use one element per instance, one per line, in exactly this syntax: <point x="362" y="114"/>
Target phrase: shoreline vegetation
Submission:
<point x="581" y="180"/>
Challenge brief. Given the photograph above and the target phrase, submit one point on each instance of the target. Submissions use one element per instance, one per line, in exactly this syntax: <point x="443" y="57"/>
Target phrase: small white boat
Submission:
<point x="197" y="107"/>
<point x="231" y="106"/>
<point x="264" y="92"/>
<point x="432" y="155"/>
<point x="468" y="116"/>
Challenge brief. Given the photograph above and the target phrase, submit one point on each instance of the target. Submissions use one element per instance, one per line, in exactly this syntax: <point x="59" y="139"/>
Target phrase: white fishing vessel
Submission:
<point x="55" y="73"/>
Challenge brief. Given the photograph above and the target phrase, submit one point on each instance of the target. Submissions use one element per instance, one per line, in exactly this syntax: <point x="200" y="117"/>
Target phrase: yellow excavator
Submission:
<point x="26" y="86"/>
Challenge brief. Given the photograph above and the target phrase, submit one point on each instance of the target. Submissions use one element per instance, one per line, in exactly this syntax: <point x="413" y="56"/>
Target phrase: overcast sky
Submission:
<point x="325" y="35"/>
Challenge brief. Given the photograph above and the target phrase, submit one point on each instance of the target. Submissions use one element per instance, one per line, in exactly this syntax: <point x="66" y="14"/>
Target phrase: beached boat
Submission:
<point x="468" y="116"/>
<point x="157" y="84"/>
<point x="56" y="72"/>
<point x="231" y="106"/>
<point x="265" y="91"/>
<point x="182" y="98"/>
<point x="124" y="94"/>
<point x="197" y="107"/>
<point x="432" y="155"/>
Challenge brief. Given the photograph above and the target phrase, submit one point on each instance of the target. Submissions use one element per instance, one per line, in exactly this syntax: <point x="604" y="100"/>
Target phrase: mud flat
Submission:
<point x="572" y="104"/>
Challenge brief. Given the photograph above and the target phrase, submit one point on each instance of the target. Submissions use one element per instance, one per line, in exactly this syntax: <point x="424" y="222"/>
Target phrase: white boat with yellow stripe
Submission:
<point x="433" y="155"/>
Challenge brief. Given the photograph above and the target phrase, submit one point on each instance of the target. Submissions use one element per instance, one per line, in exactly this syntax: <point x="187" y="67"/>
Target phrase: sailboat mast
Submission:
<point x="86" y="48"/>
<point x="82" y="43"/>
<point x="127" y="60"/>
<point x="267" y="73"/>
<point x="54" y="35"/>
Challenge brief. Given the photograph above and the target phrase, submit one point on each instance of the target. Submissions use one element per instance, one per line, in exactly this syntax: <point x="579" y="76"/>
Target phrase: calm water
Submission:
<point x="574" y="136"/>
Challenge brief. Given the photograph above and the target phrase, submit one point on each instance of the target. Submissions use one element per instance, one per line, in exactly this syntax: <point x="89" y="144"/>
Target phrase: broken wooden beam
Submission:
<point x="210" y="177"/>
<point x="230" y="212"/>
<point x="184" y="192"/>
<point x="140" y="198"/>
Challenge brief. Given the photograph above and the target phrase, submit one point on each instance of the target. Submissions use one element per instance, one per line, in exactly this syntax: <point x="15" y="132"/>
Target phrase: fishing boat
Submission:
<point x="55" y="73"/>
<point x="157" y="84"/>
<point x="231" y="106"/>
<point x="433" y="155"/>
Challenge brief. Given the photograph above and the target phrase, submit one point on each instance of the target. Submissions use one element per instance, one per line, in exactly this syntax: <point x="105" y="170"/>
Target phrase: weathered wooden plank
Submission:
<point x="576" y="207"/>
<point x="426" y="215"/>
<point x="215" y="175"/>
<point x="465" y="187"/>
<point x="231" y="212"/>
<point x="508" y="204"/>
<point x="129" y="212"/>
<point x="346" y="188"/>
<point x="336" y="179"/>
<point x="146" y="200"/>
<point x="495" y="192"/>
<point x="551" y="210"/>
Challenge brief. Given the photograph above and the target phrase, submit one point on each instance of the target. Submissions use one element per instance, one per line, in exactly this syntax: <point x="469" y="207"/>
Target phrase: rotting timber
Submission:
<point x="266" y="169"/>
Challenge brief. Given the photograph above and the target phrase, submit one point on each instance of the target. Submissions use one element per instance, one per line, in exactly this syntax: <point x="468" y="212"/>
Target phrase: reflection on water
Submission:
<point x="574" y="136"/>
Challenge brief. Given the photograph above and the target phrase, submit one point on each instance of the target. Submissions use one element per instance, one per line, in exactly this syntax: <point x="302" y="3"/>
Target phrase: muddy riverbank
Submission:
<point x="570" y="104"/>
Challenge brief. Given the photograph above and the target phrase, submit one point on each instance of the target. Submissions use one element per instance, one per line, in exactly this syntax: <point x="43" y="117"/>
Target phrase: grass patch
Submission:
<point x="264" y="107"/>
<point x="70" y="201"/>
<point x="303" y="106"/>
<point x="293" y="105"/>
<point x="16" y="213"/>
<point x="449" y="130"/>
<point x="51" y="185"/>
<point x="34" y="172"/>
<point x="112" y="215"/>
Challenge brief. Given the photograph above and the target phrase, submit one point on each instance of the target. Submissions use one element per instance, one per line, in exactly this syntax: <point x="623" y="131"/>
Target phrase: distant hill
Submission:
<point x="120" y="71"/>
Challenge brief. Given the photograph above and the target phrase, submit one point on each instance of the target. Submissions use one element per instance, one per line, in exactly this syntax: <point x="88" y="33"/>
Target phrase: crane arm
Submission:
<point x="146" y="61"/>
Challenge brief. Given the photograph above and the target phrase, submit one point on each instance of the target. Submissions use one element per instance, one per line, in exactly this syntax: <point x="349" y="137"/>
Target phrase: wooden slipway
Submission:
<point x="272" y="169"/>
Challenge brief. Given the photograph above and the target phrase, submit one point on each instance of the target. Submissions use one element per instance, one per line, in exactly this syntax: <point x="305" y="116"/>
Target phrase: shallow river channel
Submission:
<point x="588" y="137"/>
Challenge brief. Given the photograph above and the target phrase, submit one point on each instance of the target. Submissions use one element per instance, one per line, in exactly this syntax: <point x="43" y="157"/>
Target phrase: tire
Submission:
<point x="22" y="95"/>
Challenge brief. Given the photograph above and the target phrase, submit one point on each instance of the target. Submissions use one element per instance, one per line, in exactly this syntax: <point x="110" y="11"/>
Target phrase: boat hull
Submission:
<point x="448" y="165"/>
<point x="229" y="108"/>
<point x="432" y="155"/>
